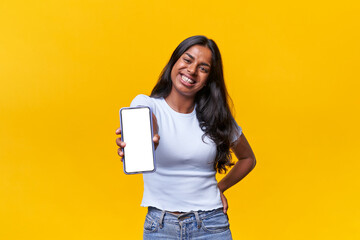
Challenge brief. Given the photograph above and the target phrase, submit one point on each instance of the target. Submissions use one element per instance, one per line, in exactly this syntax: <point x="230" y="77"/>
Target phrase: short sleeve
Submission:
<point x="142" y="100"/>
<point x="237" y="131"/>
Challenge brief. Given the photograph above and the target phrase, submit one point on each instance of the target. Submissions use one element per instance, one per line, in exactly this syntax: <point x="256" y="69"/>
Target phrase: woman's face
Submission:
<point x="191" y="71"/>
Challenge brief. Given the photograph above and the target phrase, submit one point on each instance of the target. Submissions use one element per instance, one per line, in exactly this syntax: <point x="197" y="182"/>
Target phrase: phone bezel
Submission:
<point x="152" y="142"/>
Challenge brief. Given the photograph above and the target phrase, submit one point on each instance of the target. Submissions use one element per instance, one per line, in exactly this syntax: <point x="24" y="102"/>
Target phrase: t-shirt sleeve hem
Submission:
<point x="236" y="134"/>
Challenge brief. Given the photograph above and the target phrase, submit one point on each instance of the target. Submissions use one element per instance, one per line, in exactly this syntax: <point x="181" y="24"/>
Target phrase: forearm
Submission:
<point x="242" y="168"/>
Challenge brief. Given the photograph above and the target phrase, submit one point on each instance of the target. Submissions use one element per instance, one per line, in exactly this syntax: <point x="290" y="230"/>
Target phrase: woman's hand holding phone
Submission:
<point x="122" y="144"/>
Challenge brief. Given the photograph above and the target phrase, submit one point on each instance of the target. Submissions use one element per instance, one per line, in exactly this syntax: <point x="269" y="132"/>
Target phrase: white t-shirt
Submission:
<point x="184" y="179"/>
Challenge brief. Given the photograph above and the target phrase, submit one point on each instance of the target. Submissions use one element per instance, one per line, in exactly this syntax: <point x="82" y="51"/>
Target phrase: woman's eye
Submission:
<point x="186" y="60"/>
<point x="203" y="69"/>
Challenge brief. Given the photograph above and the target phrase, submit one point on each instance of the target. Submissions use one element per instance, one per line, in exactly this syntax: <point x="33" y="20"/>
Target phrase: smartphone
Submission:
<point x="137" y="132"/>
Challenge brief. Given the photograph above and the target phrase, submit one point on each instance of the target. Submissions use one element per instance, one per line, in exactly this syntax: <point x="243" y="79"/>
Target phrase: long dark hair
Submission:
<point x="212" y="108"/>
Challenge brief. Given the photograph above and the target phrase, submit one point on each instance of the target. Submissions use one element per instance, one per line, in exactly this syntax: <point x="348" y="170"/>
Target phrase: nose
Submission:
<point x="191" y="69"/>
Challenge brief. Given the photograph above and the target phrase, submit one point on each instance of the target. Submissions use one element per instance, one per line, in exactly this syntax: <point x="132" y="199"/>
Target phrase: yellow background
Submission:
<point x="66" y="67"/>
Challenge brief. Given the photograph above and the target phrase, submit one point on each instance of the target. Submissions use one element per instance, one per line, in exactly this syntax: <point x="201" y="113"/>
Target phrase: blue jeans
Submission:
<point x="197" y="225"/>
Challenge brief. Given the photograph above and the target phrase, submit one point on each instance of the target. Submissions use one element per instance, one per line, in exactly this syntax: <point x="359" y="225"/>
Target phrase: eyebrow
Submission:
<point x="190" y="56"/>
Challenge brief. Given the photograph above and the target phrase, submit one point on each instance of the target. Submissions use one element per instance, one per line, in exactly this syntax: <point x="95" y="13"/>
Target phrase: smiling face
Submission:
<point x="190" y="72"/>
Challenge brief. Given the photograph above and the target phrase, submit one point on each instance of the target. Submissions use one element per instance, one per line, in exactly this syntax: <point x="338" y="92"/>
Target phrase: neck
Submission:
<point x="180" y="103"/>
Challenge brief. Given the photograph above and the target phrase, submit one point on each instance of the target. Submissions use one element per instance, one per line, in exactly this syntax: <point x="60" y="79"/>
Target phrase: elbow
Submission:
<point x="253" y="162"/>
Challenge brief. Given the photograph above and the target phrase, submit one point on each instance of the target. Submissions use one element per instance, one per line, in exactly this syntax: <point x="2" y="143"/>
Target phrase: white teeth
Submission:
<point x="186" y="79"/>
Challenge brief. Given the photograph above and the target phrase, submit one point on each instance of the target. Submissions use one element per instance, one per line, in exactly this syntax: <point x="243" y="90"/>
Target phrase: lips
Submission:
<point x="186" y="80"/>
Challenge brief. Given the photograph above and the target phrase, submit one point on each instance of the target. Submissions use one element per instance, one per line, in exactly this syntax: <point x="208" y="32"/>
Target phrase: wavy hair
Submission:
<point x="212" y="110"/>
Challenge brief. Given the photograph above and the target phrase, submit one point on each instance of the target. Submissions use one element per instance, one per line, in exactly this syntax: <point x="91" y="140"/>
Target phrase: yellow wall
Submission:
<point x="66" y="67"/>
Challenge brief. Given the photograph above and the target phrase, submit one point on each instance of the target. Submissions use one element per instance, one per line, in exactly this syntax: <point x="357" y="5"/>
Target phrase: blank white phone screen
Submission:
<point x="136" y="133"/>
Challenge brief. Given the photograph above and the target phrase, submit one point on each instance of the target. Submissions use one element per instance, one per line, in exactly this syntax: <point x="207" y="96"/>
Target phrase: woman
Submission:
<point x="193" y="118"/>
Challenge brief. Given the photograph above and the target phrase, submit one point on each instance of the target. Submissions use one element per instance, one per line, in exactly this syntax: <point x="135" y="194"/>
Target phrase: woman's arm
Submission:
<point x="246" y="162"/>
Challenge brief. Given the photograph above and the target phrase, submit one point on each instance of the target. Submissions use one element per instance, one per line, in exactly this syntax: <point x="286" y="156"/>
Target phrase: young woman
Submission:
<point x="192" y="115"/>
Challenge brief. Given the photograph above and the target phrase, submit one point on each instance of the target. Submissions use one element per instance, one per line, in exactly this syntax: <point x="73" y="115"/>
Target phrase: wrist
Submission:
<point x="221" y="187"/>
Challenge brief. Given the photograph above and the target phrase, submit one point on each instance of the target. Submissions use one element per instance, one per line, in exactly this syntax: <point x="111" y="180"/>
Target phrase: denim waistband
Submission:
<point x="167" y="216"/>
